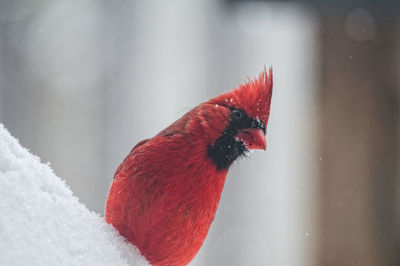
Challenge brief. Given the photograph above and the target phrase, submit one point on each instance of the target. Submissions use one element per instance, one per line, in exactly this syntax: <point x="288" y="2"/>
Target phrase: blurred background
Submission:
<point x="82" y="81"/>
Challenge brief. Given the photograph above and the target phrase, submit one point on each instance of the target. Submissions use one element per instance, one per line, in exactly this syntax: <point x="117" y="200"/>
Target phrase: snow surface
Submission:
<point x="43" y="223"/>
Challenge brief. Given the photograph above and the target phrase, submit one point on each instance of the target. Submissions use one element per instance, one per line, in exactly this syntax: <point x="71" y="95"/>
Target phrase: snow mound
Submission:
<point x="43" y="223"/>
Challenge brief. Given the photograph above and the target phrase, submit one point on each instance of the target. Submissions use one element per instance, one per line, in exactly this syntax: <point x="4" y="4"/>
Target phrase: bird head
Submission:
<point x="242" y="116"/>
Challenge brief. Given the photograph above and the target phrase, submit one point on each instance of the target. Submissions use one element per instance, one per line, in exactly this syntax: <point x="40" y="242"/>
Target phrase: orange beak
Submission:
<point x="253" y="138"/>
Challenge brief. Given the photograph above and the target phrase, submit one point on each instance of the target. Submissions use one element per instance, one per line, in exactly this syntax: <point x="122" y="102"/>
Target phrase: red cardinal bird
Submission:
<point x="165" y="193"/>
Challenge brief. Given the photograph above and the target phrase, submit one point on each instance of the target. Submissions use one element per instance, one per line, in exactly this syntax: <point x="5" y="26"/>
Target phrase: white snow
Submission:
<point x="43" y="223"/>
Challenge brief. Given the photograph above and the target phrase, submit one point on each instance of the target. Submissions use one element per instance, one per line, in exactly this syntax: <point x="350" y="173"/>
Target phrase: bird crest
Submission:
<point x="254" y="96"/>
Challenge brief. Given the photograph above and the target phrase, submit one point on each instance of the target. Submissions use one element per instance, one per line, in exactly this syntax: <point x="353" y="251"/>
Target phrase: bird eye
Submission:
<point x="237" y="114"/>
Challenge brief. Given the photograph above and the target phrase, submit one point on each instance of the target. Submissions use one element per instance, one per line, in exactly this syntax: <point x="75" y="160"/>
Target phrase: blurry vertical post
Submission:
<point x="266" y="213"/>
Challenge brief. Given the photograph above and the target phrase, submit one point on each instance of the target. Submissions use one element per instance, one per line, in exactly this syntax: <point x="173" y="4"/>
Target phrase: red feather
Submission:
<point x="254" y="96"/>
<point x="165" y="193"/>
